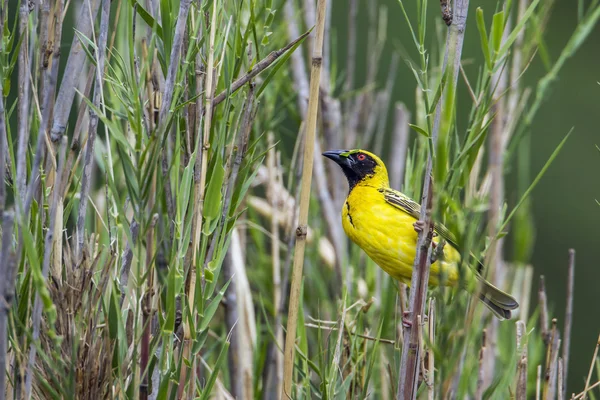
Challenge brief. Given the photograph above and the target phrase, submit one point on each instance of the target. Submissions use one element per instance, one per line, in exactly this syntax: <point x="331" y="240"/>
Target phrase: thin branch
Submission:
<point x="258" y="68"/>
<point x="311" y="127"/>
<point x="543" y="305"/>
<point x="400" y="145"/>
<point x="23" y="100"/>
<point x="589" y="377"/>
<point x="521" y="392"/>
<point x="92" y="128"/>
<point x="75" y="62"/>
<point x="8" y="266"/>
<point x="48" y="245"/>
<point x="568" y="319"/>
<point x="408" y="375"/>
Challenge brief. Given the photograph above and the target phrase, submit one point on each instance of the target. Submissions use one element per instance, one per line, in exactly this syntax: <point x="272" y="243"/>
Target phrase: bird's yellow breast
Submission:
<point x="387" y="235"/>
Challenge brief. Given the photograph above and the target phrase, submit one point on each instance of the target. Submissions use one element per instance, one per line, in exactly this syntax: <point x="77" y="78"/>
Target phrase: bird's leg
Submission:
<point x="406" y="321"/>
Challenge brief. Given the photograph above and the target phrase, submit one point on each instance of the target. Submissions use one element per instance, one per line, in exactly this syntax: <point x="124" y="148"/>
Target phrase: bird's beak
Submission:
<point x="336" y="155"/>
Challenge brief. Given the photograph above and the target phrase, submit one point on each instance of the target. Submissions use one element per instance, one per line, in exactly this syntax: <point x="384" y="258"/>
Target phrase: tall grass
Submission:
<point x="150" y="202"/>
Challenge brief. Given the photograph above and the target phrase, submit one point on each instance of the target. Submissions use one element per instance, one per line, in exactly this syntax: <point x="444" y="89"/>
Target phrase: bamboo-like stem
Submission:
<point x="311" y="127"/>
<point x="568" y="320"/>
<point x="8" y="267"/>
<point x="561" y="386"/>
<point x="23" y="100"/>
<point x="174" y="60"/>
<point x="481" y="372"/>
<point x="236" y="370"/>
<point x="400" y="145"/>
<point x="430" y="352"/>
<point x="589" y="377"/>
<point x="256" y="69"/>
<point x="274" y="178"/>
<point x="549" y="385"/>
<point x="37" y="308"/>
<point x="521" y="392"/>
<point x="538" y="382"/>
<point x="409" y="363"/>
<point x="50" y="78"/>
<point x="93" y="125"/>
<point x="77" y="57"/>
<point x="3" y="154"/>
<point x="199" y="187"/>
<point x="543" y="305"/>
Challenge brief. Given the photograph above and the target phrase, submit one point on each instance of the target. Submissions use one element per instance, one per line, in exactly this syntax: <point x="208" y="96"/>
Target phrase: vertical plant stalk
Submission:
<point x="3" y="154"/>
<point x="430" y="352"/>
<point x="481" y="372"/>
<point x="200" y="185"/>
<point x="77" y="57"/>
<point x="399" y="144"/>
<point x="568" y="319"/>
<point x="236" y="369"/>
<point x="521" y="392"/>
<point x="50" y="78"/>
<point x="410" y="361"/>
<point x="48" y="245"/>
<point x="589" y="377"/>
<point x="8" y="267"/>
<point x="549" y="386"/>
<point x="165" y="108"/>
<point x="301" y="230"/>
<point x="331" y="117"/>
<point x="92" y="129"/>
<point x="274" y="179"/>
<point x="23" y="100"/>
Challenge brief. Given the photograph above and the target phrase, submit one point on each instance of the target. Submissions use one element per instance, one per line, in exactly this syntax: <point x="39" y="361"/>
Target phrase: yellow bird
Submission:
<point x="384" y="223"/>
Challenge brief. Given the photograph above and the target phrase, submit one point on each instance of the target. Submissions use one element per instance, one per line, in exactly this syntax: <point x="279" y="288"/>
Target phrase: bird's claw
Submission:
<point x="407" y="322"/>
<point x="419" y="226"/>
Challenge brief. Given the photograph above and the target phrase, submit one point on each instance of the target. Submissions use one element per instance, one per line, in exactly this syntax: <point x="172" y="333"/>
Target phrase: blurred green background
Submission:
<point x="566" y="214"/>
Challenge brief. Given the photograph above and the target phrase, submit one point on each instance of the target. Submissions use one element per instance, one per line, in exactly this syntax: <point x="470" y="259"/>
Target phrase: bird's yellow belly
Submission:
<point x="389" y="239"/>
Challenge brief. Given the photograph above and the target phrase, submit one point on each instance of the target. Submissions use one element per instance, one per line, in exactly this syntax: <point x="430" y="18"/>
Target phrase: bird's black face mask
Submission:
<point x="355" y="164"/>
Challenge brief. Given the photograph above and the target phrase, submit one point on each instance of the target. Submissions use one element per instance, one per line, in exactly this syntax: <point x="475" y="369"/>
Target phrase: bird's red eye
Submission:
<point x="361" y="157"/>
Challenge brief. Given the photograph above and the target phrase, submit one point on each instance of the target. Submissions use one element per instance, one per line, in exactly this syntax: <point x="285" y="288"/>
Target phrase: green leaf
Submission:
<point x="497" y="31"/>
<point x="206" y="393"/>
<point x="212" y="307"/>
<point x="419" y="130"/>
<point x="483" y="37"/>
<point x="213" y="195"/>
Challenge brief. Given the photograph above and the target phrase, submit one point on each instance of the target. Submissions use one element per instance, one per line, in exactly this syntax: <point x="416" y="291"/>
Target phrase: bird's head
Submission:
<point x="360" y="167"/>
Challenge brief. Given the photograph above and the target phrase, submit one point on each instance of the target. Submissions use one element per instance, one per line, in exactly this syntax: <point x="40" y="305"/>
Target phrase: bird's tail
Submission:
<point x="496" y="300"/>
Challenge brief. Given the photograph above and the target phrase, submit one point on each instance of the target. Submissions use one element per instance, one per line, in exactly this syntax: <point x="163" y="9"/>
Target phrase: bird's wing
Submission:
<point x="411" y="207"/>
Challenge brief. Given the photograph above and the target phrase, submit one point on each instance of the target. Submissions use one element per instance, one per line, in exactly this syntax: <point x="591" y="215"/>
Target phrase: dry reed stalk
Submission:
<point x="23" y="99"/>
<point x="408" y="372"/>
<point x="93" y="125"/>
<point x="589" y="377"/>
<point x="568" y="319"/>
<point x="543" y="305"/>
<point x="400" y="145"/>
<point x="77" y="57"/>
<point x="7" y="289"/>
<point x="275" y="180"/>
<point x="538" y="383"/>
<point x="311" y="127"/>
<point x="200" y="185"/>
<point x="238" y="369"/>
<point x="48" y="246"/>
<point x="521" y="391"/>
<point x="482" y="371"/>
<point x="430" y="352"/>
